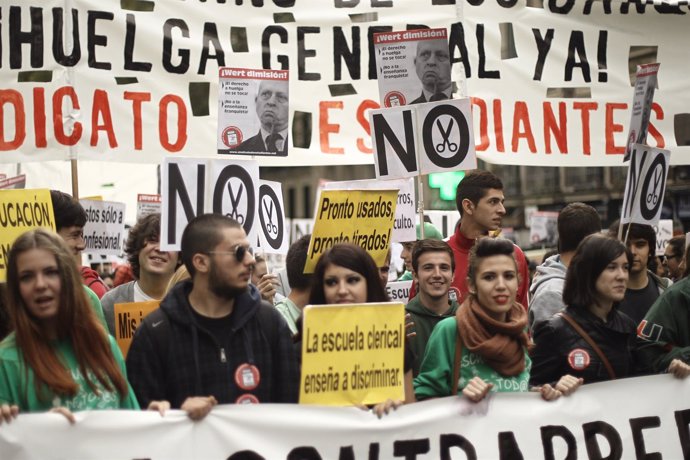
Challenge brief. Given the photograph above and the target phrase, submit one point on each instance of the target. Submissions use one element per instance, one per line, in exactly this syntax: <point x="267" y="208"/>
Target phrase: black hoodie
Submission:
<point x="187" y="360"/>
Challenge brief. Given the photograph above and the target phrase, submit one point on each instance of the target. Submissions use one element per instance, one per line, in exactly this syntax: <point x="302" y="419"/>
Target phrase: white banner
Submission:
<point x="597" y="422"/>
<point x="130" y="82"/>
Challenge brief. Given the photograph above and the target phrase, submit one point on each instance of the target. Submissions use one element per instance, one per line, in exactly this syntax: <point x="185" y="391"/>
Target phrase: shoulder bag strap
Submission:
<point x="456" y="363"/>
<point x="588" y="339"/>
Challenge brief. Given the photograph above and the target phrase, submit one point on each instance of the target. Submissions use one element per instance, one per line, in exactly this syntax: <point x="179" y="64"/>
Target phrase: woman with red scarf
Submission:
<point x="484" y="347"/>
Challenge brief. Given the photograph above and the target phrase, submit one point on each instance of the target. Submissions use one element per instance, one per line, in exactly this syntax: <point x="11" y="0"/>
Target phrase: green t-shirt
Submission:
<point x="96" y="306"/>
<point x="436" y="374"/>
<point x="17" y="387"/>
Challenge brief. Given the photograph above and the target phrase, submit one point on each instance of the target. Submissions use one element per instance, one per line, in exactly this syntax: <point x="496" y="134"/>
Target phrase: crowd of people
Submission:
<point x="228" y="331"/>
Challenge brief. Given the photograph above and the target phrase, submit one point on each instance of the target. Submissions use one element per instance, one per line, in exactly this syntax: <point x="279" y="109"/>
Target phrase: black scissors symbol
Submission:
<point x="653" y="196"/>
<point x="271" y="228"/>
<point x="445" y="133"/>
<point x="234" y="202"/>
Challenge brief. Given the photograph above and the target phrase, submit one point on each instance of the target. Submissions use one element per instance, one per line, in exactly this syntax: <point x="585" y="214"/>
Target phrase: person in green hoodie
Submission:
<point x="433" y="265"/>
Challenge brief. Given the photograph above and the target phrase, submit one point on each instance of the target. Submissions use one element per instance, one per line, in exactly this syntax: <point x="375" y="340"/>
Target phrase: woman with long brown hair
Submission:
<point x="59" y="356"/>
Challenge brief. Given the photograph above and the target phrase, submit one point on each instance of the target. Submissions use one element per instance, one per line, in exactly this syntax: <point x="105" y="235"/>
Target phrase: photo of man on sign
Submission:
<point x="432" y="64"/>
<point x="272" y="105"/>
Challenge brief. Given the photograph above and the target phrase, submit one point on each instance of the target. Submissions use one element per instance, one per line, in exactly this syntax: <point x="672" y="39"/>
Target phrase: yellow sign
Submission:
<point x="22" y="210"/>
<point x="361" y="217"/>
<point x="352" y="354"/>
<point x="129" y="316"/>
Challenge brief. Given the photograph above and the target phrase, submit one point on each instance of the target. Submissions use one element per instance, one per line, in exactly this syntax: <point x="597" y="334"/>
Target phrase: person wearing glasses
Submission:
<point x="214" y="340"/>
<point x="673" y="256"/>
<point x="272" y="109"/>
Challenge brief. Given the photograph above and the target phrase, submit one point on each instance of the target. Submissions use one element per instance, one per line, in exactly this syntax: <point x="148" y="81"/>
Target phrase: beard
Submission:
<point x="220" y="287"/>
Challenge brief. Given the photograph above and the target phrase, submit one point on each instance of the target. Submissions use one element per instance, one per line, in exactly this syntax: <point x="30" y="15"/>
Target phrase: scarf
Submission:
<point x="500" y="343"/>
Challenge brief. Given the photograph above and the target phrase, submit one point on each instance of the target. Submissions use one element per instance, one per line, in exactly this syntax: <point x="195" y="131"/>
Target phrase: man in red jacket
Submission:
<point x="479" y="198"/>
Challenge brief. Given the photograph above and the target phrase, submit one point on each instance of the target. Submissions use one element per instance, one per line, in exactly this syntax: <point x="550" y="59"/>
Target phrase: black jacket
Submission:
<point x="186" y="360"/>
<point x="556" y="341"/>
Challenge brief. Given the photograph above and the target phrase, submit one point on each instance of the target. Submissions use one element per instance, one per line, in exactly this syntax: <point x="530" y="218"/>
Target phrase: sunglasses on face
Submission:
<point x="664" y="257"/>
<point x="238" y="251"/>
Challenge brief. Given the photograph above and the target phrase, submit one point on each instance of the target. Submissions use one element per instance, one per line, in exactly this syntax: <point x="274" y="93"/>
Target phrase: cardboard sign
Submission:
<point x="129" y="316"/>
<point x="104" y="232"/>
<point x="22" y="210"/>
<point x="191" y="187"/>
<point x="405" y="211"/>
<point x="352" y="354"/>
<point x="413" y="66"/>
<point x="645" y="186"/>
<point x="422" y="139"/>
<point x="253" y="111"/>
<point x="361" y="217"/>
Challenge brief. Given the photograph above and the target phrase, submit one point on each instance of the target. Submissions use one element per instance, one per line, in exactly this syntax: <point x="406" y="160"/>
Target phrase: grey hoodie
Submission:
<point x="546" y="292"/>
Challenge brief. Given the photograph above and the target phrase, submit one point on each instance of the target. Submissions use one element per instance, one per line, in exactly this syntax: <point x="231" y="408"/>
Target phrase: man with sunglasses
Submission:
<point x="213" y="340"/>
<point x="673" y="256"/>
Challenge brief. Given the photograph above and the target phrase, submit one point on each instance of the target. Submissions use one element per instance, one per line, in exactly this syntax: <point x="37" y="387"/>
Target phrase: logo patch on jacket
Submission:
<point x="578" y="359"/>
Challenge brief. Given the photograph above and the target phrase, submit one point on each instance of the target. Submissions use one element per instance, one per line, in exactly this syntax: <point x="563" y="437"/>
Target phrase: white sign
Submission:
<point x="645" y="186"/>
<point x="598" y="421"/>
<point x="399" y="291"/>
<point x="646" y="78"/>
<point x="664" y="232"/>
<point x="444" y="221"/>
<point x="253" y="110"/>
<point x="544" y="228"/>
<point x="148" y="204"/>
<point x="422" y="139"/>
<point x="404" y="223"/>
<point x="191" y="187"/>
<point x="413" y="66"/>
<point x="274" y="236"/>
<point x="104" y="232"/>
<point x="299" y="228"/>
